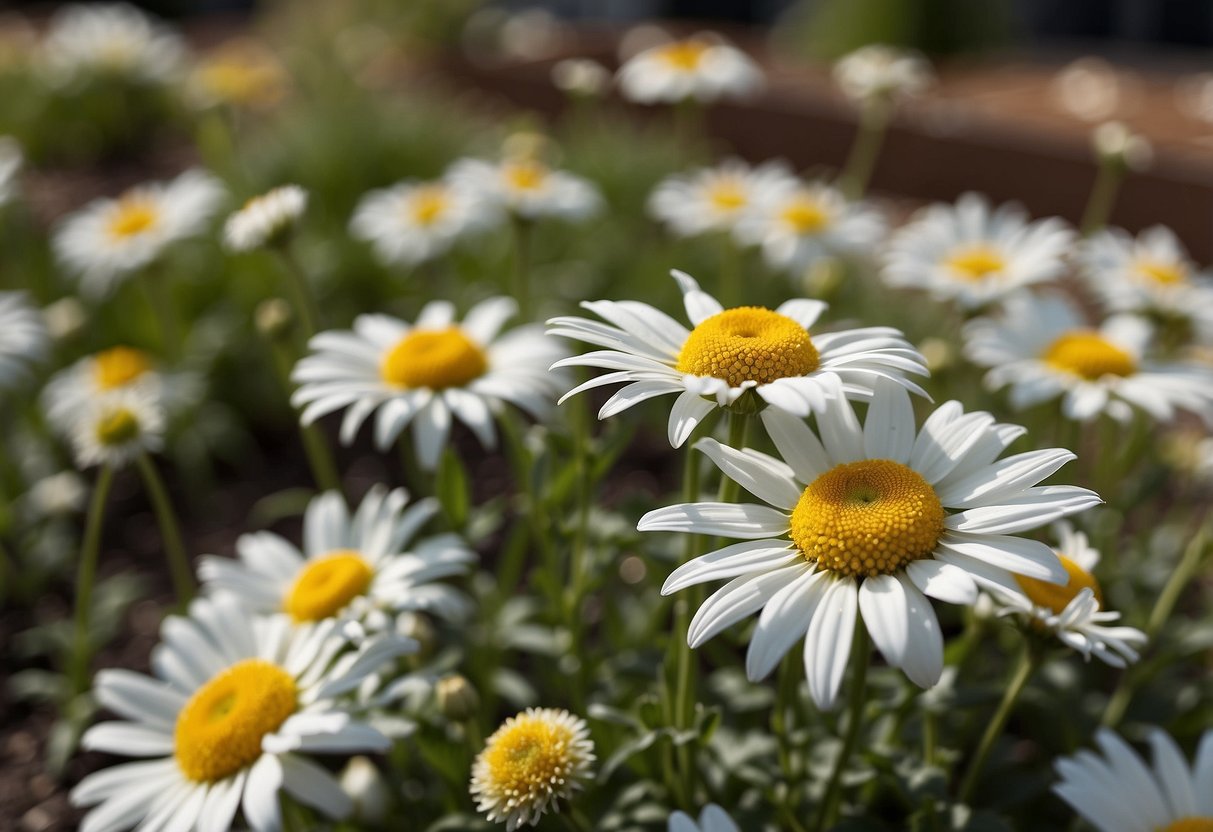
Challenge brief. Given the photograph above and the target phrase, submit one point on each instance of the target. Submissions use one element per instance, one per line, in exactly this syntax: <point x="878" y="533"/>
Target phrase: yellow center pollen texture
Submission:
<point x="1088" y="355"/>
<point x="748" y="343"/>
<point x="119" y="366"/>
<point x="326" y="585"/>
<point x="133" y="215"/>
<point x="1056" y="596"/>
<point x="684" y="54"/>
<point x="976" y="262"/>
<point x="525" y="174"/>
<point x="434" y="358"/>
<point x="219" y="730"/>
<point x="868" y="518"/>
<point x="428" y="204"/>
<point x="727" y="195"/>
<point x="805" y="215"/>
<point x="529" y="758"/>
<point x="1168" y="274"/>
<point x="118" y="427"/>
<point x="1188" y="825"/>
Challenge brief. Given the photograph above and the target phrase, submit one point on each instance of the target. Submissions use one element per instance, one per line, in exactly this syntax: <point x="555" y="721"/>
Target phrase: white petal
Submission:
<point x="797" y="444"/>
<point x="744" y="521"/>
<point x="923" y="661"/>
<point x="729" y="562"/>
<point x="1014" y="554"/>
<point x="310" y="784"/>
<point x="889" y="430"/>
<point x="688" y="411"/>
<point x="784" y="620"/>
<point x="260" y="803"/>
<point x="943" y="581"/>
<point x="882" y="603"/>
<point x="765" y="477"/>
<point x="737" y="599"/>
<point x="827" y="646"/>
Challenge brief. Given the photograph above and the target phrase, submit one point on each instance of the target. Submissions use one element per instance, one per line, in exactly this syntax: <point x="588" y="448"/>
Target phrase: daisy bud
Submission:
<point x="274" y="318"/>
<point x="1115" y="144"/>
<point x="581" y="77"/>
<point x="64" y="318"/>
<point x="457" y="698"/>
<point x="363" y="782"/>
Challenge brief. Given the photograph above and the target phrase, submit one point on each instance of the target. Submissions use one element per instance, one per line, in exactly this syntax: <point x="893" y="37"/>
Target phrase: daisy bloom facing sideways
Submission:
<point x="414" y="221"/>
<point x="711" y="819"/>
<point x="87" y="40"/>
<point x="872" y="520"/>
<point x="528" y="188"/>
<point x="729" y="352"/>
<point x="1043" y="349"/>
<point x="24" y="340"/>
<point x="108" y="239"/>
<point x="352" y="567"/>
<point x="426" y="372"/>
<point x="973" y="254"/>
<point x="1117" y="792"/>
<point x="1074" y="611"/>
<point x="878" y="72"/>
<point x="113" y="430"/>
<point x="265" y="219"/>
<point x="716" y="198"/>
<point x="534" y="760"/>
<point x="703" y="68"/>
<point x="236" y="706"/>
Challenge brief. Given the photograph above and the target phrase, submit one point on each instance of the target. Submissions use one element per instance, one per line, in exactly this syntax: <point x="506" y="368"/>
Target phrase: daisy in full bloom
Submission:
<point x="527" y="188"/>
<point x="703" y="68"/>
<point x="1118" y="792"/>
<point x="114" y="370"/>
<point x="878" y="72"/>
<point x="236" y="707"/>
<point x="109" y="239"/>
<point x="534" y="760"/>
<point x="11" y="159"/>
<point x="113" y="430"/>
<point x="1043" y="349"/>
<point x="425" y="372"/>
<point x="110" y="39"/>
<point x="23" y="338"/>
<point x="872" y="520"/>
<point x="716" y="198"/>
<point x="729" y="352"/>
<point x="711" y="819"/>
<point x="1150" y="273"/>
<point x="973" y="254"/>
<point x="265" y="219"/>
<point x="356" y="567"/>
<point x="239" y="73"/>
<point x="1074" y="611"/>
<point x="414" y="221"/>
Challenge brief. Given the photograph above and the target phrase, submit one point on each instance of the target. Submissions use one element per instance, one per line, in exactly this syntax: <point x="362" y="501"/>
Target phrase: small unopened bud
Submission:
<point x="274" y="318"/>
<point x="419" y="628"/>
<point x="938" y="353"/>
<point x="457" y="698"/>
<point x="64" y="318"/>
<point x="362" y="781"/>
<point x="1116" y="144"/>
<point x="581" y="77"/>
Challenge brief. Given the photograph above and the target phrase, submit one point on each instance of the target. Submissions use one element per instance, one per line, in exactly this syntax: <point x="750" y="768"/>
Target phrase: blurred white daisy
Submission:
<point x="265" y="219"/>
<point x="703" y="68"/>
<point x="529" y="764"/>
<point x="241" y="72"/>
<point x="528" y="189"/>
<point x="973" y="254"/>
<point x="711" y="819"/>
<point x="11" y="160"/>
<point x="413" y="221"/>
<point x="1043" y="349"/>
<point x="23" y="338"/>
<point x="1074" y="611"/>
<point x="1118" y="792"/>
<point x="729" y="352"/>
<point x="872" y="520"/>
<point x="235" y="708"/>
<point x="112" y="370"/>
<point x="85" y="41"/>
<point x="715" y="198"/>
<point x="425" y="372"/>
<point x="361" y="567"/>
<point x="108" y="239"/>
<point x="882" y="73"/>
<point x="115" y="429"/>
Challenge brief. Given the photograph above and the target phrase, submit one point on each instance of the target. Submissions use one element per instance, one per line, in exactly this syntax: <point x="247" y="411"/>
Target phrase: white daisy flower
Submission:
<point x="235" y="708"/>
<point x="711" y="819"/>
<point x="23" y="338"/>
<point x="1043" y="349"/>
<point x="350" y="567"/>
<point x="798" y="223"/>
<point x="115" y="429"/>
<point x="1149" y="273"/>
<point x="703" y="67"/>
<point x="108" y="239"/>
<point x="534" y="760"/>
<point x="882" y="72"/>
<point x="1117" y="792"/>
<point x="528" y="188"/>
<point x="715" y="198"/>
<point x="1074" y="611"/>
<point x="973" y="254"/>
<point x="110" y="371"/>
<point x="265" y="219"/>
<point x="110" y="39"/>
<point x="422" y="373"/>
<point x="413" y="221"/>
<point x="11" y="160"/>
<point x="872" y="520"/>
<point x="729" y="352"/>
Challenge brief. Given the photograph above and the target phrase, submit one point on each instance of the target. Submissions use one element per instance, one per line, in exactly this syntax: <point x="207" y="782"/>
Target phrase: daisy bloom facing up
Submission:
<point x="1118" y="792"/>
<point x="729" y="352"/>
<point x="711" y="819"/>
<point x="109" y="239"/>
<point x="1043" y="349"/>
<point x="878" y="72"/>
<point x="24" y="340"/>
<point x="534" y="760"/>
<point x="426" y="372"/>
<point x="973" y="254"/>
<point x="355" y="567"/>
<point x="716" y="198"/>
<point x="703" y="68"/>
<point x="870" y="520"/>
<point x="235" y="708"/>
<point x="413" y="221"/>
<point x="110" y="39"/>
<point x="1074" y="612"/>
<point x="528" y="188"/>
<point x="265" y="219"/>
<point x="113" y="430"/>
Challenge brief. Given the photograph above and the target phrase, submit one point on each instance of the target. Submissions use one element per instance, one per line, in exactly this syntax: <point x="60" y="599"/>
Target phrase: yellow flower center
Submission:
<point x="1188" y="825"/>
<point x="525" y="174"/>
<point x="428" y="204"/>
<point x="684" y="55"/>
<point x="976" y="262"/>
<point x="119" y="366"/>
<point x="117" y="428"/>
<point x="434" y="358"/>
<point x="133" y="215"/>
<point x="1088" y="355"/>
<point x="242" y="73"/>
<point x="326" y="585"/>
<point x="220" y="728"/>
<point x="1055" y="596"/>
<point x="805" y="215"/>
<point x="528" y="757"/>
<point x="748" y="343"/>
<point x="1168" y="274"/>
<point x="727" y="195"/>
<point x="870" y="517"/>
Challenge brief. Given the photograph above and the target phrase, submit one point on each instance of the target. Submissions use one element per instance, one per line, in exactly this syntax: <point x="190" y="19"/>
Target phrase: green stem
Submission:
<point x="869" y="137"/>
<point x="684" y="686"/>
<point x="319" y="455"/>
<point x="164" y="312"/>
<point x="522" y="266"/>
<point x="1103" y="197"/>
<point x="86" y="575"/>
<point x="170" y="530"/>
<point x="301" y="292"/>
<point x="860" y="647"/>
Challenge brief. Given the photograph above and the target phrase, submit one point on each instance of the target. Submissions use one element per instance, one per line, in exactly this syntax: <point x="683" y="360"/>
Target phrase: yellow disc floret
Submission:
<point x="1056" y="596"/>
<point x="117" y="427"/>
<point x="868" y="518"/>
<point x="684" y="55"/>
<point x="1088" y="355"/>
<point x="219" y="730"/>
<point x="434" y="358"/>
<point x="119" y="366"/>
<point x="528" y="756"/>
<point x="133" y="215"/>
<point x="525" y="174"/>
<point x="748" y="343"/>
<point x="428" y="204"/>
<point x="326" y="585"/>
<point x="805" y="215"/>
<point x="976" y="262"/>
<point x="727" y="195"/>
<point x="1167" y="274"/>
<point x="1188" y="825"/>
